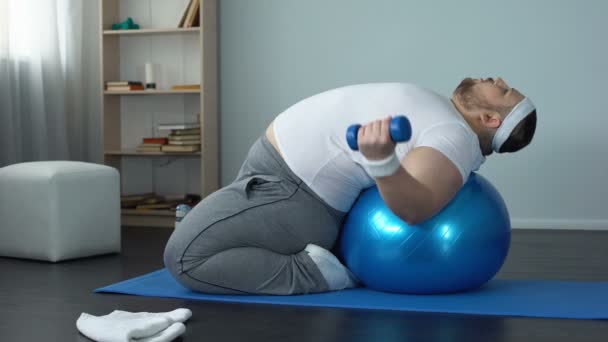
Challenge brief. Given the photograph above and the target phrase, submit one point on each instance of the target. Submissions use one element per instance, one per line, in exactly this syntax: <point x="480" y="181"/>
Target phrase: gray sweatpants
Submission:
<point x="249" y="237"/>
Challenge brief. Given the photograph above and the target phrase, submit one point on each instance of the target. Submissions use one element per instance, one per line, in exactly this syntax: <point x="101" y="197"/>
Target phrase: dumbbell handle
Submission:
<point x="399" y="128"/>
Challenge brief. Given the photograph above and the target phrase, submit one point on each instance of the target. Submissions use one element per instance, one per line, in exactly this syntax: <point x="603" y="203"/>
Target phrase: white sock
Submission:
<point x="338" y="277"/>
<point x="169" y="334"/>
<point x="177" y="315"/>
<point x="126" y="326"/>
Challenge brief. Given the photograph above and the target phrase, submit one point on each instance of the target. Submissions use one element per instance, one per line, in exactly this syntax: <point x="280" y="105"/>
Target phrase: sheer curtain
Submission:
<point x="49" y="81"/>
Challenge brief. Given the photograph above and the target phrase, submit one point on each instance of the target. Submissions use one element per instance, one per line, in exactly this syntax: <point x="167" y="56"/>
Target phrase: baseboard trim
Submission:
<point x="559" y="224"/>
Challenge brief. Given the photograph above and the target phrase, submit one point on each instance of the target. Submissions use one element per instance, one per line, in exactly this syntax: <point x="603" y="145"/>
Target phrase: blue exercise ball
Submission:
<point x="459" y="249"/>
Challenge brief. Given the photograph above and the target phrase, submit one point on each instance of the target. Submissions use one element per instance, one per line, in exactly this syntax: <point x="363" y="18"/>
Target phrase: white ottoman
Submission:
<point x="59" y="210"/>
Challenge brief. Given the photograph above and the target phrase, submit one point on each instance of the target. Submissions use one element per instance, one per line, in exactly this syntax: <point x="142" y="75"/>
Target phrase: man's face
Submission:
<point x="487" y="93"/>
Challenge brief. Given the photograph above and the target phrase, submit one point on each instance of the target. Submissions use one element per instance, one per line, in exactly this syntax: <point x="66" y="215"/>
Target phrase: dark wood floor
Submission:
<point x="41" y="301"/>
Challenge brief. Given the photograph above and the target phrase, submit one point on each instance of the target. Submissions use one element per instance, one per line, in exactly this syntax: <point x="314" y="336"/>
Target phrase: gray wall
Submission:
<point x="276" y="52"/>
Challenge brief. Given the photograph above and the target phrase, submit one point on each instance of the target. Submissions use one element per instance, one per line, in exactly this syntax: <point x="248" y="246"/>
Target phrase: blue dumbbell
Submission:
<point x="400" y="130"/>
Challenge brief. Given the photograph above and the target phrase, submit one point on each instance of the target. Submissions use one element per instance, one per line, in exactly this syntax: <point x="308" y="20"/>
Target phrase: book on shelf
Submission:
<point x="151" y="144"/>
<point x="130" y="201"/>
<point x="124" y="85"/>
<point x="125" y="88"/>
<point x="177" y="126"/>
<point x="177" y="137"/>
<point x="191" y="16"/>
<point x="182" y="21"/>
<point x="143" y="149"/>
<point x="186" y="87"/>
<point x="184" y="142"/>
<point x="160" y="141"/>
<point x="180" y="148"/>
<point x="185" y="132"/>
<point x="182" y="137"/>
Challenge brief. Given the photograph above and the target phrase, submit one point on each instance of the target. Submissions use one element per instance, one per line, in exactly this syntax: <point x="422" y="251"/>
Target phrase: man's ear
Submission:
<point x="491" y="119"/>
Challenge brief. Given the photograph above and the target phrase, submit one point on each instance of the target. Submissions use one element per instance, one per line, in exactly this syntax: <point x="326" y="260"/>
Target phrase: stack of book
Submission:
<point x="152" y="145"/>
<point x="124" y="85"/>
<point x="183" y="137"/>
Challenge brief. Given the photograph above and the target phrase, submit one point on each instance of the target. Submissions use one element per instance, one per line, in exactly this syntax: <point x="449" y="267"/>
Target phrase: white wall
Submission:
<point x="276" y="52"/>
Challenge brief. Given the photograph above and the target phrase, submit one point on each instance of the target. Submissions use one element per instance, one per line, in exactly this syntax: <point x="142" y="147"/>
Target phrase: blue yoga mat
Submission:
<point x="550" y="299"/>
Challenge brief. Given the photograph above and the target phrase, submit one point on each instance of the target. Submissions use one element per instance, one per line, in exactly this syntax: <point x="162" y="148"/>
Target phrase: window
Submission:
<point x="24" y="24"/>
<point x="3" y="27"/>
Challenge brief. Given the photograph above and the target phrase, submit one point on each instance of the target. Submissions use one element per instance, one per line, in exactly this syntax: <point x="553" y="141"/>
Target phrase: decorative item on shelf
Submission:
<point x="150" y="76"/>
<point x="152" y="144"/>
<point x="186" y="87"/>
<point x="180" y="212"/>
<point x="128" y="24"/>
<point x="191" y="17"/>
<point x="124" y="85"/>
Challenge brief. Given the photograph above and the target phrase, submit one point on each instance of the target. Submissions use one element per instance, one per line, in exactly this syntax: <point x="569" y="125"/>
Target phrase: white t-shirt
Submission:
<point x="311" y="135"/>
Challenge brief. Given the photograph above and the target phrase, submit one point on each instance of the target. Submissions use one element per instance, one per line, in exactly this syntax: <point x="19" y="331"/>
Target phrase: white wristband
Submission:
<point x="384" y="167"/>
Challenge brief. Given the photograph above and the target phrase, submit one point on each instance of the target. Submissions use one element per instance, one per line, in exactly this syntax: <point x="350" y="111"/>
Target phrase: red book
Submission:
<point x="161" y="141"/>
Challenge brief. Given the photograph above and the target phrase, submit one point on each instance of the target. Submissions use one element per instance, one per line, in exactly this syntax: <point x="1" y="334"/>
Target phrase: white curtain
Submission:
<point x="49" y="80"/>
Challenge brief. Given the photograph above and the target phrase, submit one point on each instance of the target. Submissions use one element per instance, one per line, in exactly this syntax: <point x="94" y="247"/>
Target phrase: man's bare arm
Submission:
<point x="424" y="184"/>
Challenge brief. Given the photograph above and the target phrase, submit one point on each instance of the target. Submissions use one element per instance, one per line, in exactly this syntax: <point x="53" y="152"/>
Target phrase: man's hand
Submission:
<point x="375" y="141"/>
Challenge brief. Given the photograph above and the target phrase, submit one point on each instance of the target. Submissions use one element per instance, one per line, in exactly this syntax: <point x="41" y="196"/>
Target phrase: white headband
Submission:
<point x="518" y="113"/>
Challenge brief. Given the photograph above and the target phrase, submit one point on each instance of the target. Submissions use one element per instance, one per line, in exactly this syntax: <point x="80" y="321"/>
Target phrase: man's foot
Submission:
<point x="338" y="277"/>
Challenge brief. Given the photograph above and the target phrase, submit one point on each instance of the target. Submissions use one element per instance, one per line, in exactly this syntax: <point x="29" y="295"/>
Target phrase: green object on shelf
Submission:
<point x="126" y="25"/>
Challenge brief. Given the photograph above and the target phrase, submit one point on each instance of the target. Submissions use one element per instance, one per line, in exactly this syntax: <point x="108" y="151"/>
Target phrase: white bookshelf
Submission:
<point x="183" y="56"/>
